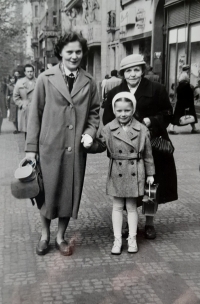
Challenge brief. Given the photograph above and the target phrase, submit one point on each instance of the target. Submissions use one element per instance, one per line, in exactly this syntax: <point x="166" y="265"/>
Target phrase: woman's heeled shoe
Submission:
<point x="42" y="246"/>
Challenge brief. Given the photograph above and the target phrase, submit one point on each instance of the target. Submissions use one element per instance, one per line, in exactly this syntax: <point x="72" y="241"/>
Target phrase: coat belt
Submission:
<point x="125" y="156"/>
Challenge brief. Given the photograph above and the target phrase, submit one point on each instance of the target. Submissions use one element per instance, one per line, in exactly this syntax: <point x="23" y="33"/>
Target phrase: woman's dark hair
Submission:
<point x="67" y="38"/>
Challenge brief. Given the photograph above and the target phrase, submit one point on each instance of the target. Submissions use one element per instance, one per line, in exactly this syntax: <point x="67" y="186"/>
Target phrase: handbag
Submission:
<point x="186" y="119"/>
<point x="28" y="182"/>
<point x="162" y="145"/>
<point x="150" y="199"/>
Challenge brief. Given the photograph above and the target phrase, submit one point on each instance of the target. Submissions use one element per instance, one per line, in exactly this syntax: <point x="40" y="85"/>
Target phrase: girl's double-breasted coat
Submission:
<point x="152" y="102"/>
<point x="131" y="159"/>
<point x="56" y="123"/>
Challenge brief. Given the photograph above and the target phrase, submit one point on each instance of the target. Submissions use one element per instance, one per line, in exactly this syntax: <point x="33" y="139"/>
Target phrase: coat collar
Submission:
<point x="56" y="78"/>
<point x="145" y="88"/>
<point x="119" y="133"/>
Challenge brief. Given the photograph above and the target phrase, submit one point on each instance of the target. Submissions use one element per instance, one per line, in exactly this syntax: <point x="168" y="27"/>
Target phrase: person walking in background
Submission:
<point x="129" y="149"/>
<point x="185" y="104"/>
<point x="155" y="111"/>
<point x="12" y="105"/>
<point x="109" y="84"/>
<point x="3" y="103"/>
<point x="22" y="96"/>
<point x="64" y="113"/>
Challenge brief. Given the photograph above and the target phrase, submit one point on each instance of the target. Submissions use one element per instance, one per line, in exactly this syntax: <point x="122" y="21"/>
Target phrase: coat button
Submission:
<point x="70" y="127"/>
<point x="120" y="175"/>
<point x="71" y="106"/>
<point x="120" y="163"/>
<point x="133" y="174"/>
<point x="69" y="149"/>
<point x="132" y="151"/>
<point x="120" y="151"/>
<point x="132" y="162"/>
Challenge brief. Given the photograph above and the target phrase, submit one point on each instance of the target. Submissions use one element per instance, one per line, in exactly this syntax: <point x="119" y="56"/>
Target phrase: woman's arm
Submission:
<point x="35" y="117"/>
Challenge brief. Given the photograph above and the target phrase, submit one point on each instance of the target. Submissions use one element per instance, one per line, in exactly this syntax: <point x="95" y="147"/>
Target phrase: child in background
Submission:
<point x="131" y="162"/>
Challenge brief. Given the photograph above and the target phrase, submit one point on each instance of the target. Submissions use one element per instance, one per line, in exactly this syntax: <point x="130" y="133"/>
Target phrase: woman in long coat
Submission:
<point x="12" y="105"/>
<point x="184" y="104"/>
<point x="154" y="109"/>
<point x="59" y="121"/>
<point x="3" y="108"/>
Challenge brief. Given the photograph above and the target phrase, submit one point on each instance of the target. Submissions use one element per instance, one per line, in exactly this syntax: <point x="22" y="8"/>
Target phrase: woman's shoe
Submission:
<point x="117" y="246"/>
<point x="195" y="131"/>
<point x="173" y="132"/>
<point x="42" y="247"/>
<point x="64" y="248"/>
<point x="132" y="244"/>
<point x="150" y="232"/>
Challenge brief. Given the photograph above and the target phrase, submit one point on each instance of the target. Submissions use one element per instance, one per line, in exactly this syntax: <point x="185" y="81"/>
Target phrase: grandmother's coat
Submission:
<point x="127" y="173"/>
<point x="56" y="122"/>
<point x="152" y="102"/>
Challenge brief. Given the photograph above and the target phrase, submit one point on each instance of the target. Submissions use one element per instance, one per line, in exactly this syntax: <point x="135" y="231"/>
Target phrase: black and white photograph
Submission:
<point x="100" y="151"/>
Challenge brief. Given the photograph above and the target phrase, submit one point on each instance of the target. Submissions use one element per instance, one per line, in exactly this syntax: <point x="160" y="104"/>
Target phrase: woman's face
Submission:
<point x="12" y="80"/>
<point x="133" y="75"/>
<point x="123" y="111"/>
<point x="72" y="55"/>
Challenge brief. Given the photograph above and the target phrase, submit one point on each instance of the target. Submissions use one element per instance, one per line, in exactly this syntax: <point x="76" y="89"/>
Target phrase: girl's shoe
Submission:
<point x="132" y="244"/>
<point x="117" y="246"/>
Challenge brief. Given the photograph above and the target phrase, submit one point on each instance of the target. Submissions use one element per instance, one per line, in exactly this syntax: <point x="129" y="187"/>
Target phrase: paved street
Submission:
<point x="164" y="271"/>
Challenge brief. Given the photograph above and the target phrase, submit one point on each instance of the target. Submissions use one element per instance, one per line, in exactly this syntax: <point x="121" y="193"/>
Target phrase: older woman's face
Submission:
<point x="72" y="54"/>
<point x="133" y="75"/>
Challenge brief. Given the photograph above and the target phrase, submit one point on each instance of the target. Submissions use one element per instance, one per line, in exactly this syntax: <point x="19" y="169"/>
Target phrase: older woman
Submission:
<point x="155" y="111"/>
<point x="64" y="112"/>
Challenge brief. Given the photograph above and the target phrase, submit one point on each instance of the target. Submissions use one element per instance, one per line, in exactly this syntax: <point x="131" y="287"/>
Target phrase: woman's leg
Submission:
<point x="45" y="228"/>
<point x="117" y="220"/>
<point x="62" y="226"/>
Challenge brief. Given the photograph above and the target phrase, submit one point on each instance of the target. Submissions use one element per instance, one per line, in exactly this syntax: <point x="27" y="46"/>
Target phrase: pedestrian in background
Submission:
<point x="12" y="105"/>
<point x="155" y="111"/>
<point x="3" y="103"/>
<point x="64" y="112"/>
<point x="22" y="96"/>
<point x="185" y="104"/>
<point x="129" y="149"/>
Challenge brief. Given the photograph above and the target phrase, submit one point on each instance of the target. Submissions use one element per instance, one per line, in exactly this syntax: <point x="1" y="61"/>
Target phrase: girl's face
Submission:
<point x="123" y="111"/>
<point x="133" y="75"/>
<point x="72" y="55"/>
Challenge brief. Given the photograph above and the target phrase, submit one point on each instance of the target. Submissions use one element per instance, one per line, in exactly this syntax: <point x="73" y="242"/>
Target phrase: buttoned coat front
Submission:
<point x="127" y="173"/>
<point x="56" y="123"/>
<point x="22" y="96"/>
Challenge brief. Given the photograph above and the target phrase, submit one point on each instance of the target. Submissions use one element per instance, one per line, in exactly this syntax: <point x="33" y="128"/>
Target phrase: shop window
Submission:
<point x="195" y="54"/>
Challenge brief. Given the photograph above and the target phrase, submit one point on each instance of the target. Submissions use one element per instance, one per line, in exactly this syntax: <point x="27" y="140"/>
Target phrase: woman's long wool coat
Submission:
<point x="152" y="102"/>
<point x="56" y="123"/>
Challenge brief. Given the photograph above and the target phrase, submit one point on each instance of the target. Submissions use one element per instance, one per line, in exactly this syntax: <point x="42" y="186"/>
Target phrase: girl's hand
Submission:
<point x="87" y="141"/>
<point x="150" y="180"/>
<point x="147" y="121"/>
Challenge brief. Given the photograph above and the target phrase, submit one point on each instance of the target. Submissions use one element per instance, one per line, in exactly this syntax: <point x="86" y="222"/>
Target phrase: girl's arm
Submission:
<point x="99" y="144"/>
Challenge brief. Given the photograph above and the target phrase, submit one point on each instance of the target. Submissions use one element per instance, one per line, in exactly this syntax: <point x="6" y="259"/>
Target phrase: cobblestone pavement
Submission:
<point x="164" y="271"/>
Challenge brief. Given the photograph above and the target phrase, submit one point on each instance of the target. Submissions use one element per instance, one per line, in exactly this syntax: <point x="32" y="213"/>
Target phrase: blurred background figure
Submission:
<point x="12" y="105"/>
<point x="109" y="84"/>
<point x="3" y="104"/>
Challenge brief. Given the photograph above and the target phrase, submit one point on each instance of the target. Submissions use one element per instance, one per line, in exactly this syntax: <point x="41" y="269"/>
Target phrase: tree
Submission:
<point x="12" y="29"/>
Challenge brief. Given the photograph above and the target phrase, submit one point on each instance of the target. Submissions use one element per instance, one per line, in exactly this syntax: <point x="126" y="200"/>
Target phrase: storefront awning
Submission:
<point x="172" y="2"/>
<point x="136" y="37"/>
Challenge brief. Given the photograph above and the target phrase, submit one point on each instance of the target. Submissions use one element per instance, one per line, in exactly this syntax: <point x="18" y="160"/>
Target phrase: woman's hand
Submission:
<point x="87" y="141"/>
<point x="147" y="121"/>
<point x="150" y="180"/>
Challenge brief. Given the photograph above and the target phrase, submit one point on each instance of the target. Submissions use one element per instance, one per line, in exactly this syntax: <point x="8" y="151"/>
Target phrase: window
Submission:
<point x="111" y="19"/>
<point x="36" y="32"/>
<point x="54" y="18"/>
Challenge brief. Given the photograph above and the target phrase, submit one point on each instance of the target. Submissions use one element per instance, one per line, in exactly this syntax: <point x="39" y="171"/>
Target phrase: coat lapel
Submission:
<point x="29" y="87"/>
<point x="56" y="78"/>
<point x="119" y="133"/>
<point x="80" y="82"/>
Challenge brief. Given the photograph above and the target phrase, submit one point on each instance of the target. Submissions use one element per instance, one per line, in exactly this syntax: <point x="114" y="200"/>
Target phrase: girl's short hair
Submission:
<point x="67" y="38"/>
<point x="124" y="99"/>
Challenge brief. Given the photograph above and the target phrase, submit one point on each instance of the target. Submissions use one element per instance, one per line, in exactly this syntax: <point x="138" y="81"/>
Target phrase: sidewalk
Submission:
<point x="164" y="271"/>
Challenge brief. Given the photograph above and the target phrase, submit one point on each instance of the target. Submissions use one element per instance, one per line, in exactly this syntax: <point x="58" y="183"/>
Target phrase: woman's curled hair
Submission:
<point x="67" y="38"/>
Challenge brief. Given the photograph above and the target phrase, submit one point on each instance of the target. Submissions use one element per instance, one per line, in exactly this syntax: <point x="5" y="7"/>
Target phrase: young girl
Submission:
<point x="129" y="149"/>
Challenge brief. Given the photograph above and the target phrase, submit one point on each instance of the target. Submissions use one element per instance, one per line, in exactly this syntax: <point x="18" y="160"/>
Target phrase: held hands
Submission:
<point x="147" y="121"/>
<point x="150" y="180"/>
<point x="87" y="141"/>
